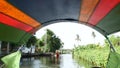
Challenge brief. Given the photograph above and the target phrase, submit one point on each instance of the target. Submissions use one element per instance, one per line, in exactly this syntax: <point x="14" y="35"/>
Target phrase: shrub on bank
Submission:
<point x="93" y="54"/>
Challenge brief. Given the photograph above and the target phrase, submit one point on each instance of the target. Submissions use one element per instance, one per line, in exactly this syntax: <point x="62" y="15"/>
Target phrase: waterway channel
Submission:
<point x="64" y="61"/>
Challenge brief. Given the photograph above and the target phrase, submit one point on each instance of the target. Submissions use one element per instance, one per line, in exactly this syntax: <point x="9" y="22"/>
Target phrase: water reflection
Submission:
<point x="64" y="61"/>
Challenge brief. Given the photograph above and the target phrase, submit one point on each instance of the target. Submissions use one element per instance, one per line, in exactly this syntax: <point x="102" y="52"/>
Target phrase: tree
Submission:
<point x="41" y="43"/>
<point x="31" y="41"/>
<point x="51" y="41"/>
<point x="114" y="39"/>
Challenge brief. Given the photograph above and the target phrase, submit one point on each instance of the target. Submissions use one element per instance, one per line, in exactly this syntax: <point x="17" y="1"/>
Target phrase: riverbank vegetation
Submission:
<point x="49" y="42"/>
<point x="95" y="53"/>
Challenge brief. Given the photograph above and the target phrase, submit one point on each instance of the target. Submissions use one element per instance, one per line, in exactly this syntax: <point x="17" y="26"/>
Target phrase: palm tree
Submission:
<point x="93" y="35"/>
<point x="78" y="39"/>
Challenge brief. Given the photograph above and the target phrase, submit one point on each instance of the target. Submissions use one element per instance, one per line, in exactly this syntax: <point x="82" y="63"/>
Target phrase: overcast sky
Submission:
<point x="67" y="33"/>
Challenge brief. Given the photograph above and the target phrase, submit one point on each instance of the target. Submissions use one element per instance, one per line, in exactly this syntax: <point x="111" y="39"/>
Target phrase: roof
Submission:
<point x="19" y="19"/>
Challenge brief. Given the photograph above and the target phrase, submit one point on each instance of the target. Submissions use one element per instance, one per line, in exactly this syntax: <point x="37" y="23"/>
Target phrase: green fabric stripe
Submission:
<point x="25" y="38"/>
<point x="10" y="34"/>
<point x="111" y="23"/>
<point x="114" y="60"/>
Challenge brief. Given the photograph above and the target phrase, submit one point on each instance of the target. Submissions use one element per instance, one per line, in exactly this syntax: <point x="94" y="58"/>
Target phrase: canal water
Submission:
<point x="64" y="61"/>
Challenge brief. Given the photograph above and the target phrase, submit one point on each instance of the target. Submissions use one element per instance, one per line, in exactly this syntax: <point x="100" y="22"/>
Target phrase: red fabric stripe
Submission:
<point x="103" y="8"/>
<point x="87" y="8"/>
<point x="14" y="23"/>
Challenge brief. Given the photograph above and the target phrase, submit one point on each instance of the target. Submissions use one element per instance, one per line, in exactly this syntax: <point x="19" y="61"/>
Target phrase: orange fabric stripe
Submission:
<point x="10" y="10"/>
<point x="87" y="8"/>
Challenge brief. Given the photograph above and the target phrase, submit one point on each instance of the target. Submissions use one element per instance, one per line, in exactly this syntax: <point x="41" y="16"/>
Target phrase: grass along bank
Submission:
<point x="94" y="54"/>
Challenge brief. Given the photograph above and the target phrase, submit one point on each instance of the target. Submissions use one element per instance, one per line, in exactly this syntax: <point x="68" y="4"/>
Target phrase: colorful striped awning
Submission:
<point x="19" y="19"/>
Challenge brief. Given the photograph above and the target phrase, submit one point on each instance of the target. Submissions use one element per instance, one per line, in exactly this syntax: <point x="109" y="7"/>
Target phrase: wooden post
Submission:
<point x="0" y="47"/>
<point x="8" y="46"/>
